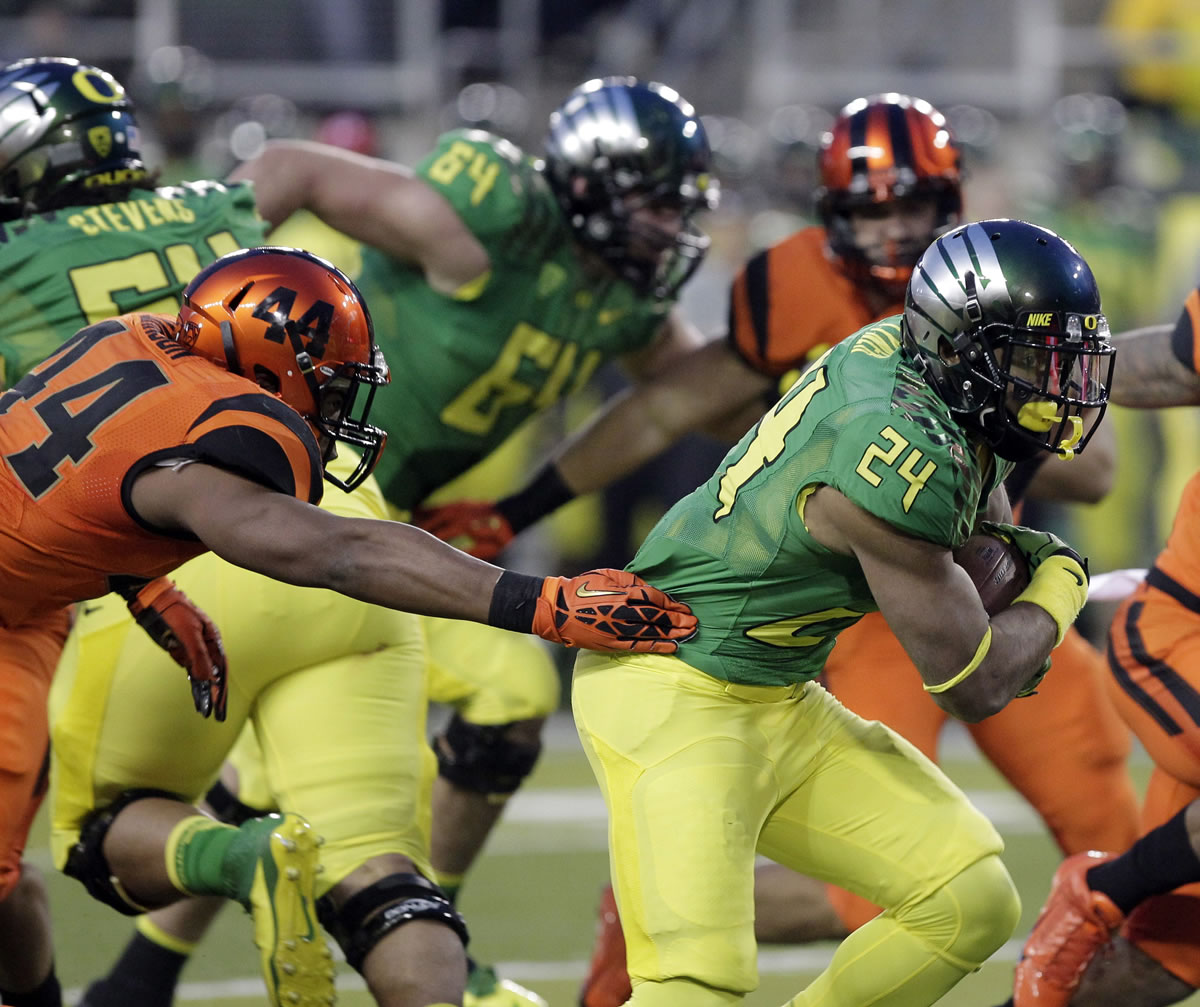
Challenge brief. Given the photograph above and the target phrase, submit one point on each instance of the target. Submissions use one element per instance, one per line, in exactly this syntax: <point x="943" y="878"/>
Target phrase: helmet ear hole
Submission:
<point x="946" y="351"/>
<point x="266" y="379"/>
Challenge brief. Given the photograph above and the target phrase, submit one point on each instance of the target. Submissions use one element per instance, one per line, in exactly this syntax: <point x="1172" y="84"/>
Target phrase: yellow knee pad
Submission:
<point x="969" y="917"/>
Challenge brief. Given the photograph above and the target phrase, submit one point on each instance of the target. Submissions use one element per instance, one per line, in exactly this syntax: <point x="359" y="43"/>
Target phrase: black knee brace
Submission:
<point x="228" y="809"/>
<point x="86" y="861"/>
<point x="482" y="759"/>
<point x="371" y="914"/>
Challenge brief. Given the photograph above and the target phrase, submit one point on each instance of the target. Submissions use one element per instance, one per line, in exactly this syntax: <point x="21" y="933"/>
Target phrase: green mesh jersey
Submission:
<point x="62" y="270"/>
<point x="467" y="370"/>
<point x="769" y="598"/>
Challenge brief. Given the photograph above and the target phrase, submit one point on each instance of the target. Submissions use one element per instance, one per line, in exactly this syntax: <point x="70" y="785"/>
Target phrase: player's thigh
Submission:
<point x="28" y="656"/>
<point x="343" y="743"/>
<point x="871" y="813"/>
<point x="871" y="674"/>
<point x="122" y="718"/>
<point x="1154" y="660"/>
<point x="1065" y="749"/>
<point x="688" y="777"/>
<point x="489" y="675"/>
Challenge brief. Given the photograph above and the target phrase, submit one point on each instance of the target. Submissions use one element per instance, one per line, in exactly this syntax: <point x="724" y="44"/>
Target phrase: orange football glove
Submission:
<point x="611" y="610"/>
<point x="474" y="526"/>
<point x="190" y="637"/>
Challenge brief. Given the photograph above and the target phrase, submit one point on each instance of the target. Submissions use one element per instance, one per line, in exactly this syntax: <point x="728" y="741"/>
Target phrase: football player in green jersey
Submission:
<point x="498" y="283"/>
<point x="847" y="497"/>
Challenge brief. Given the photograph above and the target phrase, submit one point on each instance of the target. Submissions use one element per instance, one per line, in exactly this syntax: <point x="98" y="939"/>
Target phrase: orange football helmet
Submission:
<point x="887" y="149"/>
<point x="294" y="324"/>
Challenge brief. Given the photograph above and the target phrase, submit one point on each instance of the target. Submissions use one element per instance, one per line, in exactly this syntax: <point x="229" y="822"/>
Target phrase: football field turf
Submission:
<point x="530" y="901"/>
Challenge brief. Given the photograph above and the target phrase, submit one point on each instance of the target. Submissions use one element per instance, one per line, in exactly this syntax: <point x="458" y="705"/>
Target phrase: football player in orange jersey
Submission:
<point x="891" y="180"/>
<point x="146" y="440"/>
<point x="1143" y="907"/>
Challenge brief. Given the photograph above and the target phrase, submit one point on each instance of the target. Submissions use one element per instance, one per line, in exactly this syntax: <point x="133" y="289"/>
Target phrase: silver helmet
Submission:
<point x="617" y="143"/>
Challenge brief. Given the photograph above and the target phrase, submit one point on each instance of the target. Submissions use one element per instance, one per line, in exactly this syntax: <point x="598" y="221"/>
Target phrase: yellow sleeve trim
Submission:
<point x="473" y="288"/>
<point x="980" y="653"/>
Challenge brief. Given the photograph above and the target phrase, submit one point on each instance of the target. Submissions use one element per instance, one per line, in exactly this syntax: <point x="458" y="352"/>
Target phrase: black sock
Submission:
<point x="1159" y="862"/>
<point x="48" y="994"/>
<point x="145" y="974"/>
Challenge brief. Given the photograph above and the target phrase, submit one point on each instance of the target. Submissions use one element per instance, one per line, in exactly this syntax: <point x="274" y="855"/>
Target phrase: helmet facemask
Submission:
<point x="655" y="261"/>
<point x="890" y="266"/>
<point x="344" y="401"/>
<point x="1028" y="387"/>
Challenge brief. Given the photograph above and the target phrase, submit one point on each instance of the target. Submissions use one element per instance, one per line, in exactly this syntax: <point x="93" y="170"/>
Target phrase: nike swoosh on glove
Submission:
<point x="611" y="610"/>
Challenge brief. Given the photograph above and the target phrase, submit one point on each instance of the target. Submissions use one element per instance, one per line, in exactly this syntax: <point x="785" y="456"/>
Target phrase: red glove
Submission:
<point x="189" y="636"/>
<point x="473" y="526"/>
<point x="611" y="610"/>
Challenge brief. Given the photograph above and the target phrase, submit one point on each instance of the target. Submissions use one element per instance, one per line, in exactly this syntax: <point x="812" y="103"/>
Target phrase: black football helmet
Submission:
<point x="615" y="144"/>
<point x="67" y="136"/>
<point x="881" y="150"/>
<point x="1003" y="319"/>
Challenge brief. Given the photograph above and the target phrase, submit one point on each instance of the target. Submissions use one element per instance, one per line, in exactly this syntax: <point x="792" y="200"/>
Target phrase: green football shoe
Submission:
<point x="486" y="989"/>
<point x="296" y="963"/>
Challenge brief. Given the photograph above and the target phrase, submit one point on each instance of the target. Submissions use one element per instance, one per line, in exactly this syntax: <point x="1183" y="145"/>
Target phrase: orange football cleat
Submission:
<point x="1073" y="925"/>
<point x="607" y="982"/>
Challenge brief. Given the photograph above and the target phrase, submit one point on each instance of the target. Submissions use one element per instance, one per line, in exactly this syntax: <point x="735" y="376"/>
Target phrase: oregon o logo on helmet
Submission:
<point x="95" y="86"/>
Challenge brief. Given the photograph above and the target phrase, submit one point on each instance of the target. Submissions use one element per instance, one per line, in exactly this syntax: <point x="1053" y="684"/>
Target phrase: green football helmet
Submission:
<point x="1003" y="320"/>
<point x="615" y="144"/>
<point x="67" y="136"/>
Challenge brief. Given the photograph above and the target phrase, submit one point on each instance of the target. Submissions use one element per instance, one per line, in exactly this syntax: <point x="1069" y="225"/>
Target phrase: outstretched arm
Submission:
<point x="697" y="392"/>
<point x="379" y="203"/>
<point x="700" y="391"/>
<point x="398" y="566"/>
<point x="1148" y="373"/>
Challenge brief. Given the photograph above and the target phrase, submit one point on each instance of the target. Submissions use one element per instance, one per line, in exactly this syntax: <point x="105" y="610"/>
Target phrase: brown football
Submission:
<point x="997" y="569"/>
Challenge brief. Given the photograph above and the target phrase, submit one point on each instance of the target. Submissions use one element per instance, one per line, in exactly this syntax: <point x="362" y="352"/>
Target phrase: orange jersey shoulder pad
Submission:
<point x="790" y="303"/>
<point x="1187" y="330"/>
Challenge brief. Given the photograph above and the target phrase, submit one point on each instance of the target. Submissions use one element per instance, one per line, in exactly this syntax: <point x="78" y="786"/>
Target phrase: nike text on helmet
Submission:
<point x="67" y="136"/>
<point x="1003" y="319"/>
<point x="297" y="326"/>
<point x="881" y="151"/>
<point x="616" y="144"/>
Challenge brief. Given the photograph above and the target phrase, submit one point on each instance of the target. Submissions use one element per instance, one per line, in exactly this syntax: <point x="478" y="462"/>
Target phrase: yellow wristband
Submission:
<point x="980" y="653"/>
<point x="1059" y="587"/>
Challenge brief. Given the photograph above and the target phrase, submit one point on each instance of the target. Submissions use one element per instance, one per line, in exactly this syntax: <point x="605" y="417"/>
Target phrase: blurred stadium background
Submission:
<point x="1083" y="115"/>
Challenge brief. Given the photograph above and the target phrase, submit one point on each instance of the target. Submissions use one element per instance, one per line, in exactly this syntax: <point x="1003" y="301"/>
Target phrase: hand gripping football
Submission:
<point x="997" y="569"/>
